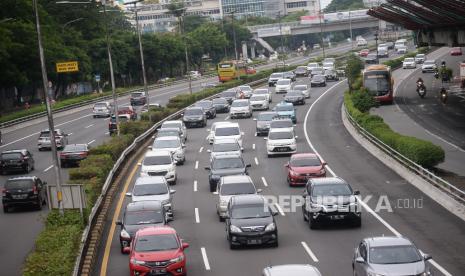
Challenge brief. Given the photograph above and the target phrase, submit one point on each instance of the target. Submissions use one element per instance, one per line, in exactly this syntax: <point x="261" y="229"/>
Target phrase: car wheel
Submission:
<point x="27" y="169"/>
<point x="312" y="223"/>
<point x="221" y="219"/>
<point x="232" y="246"/>
<point x="212" y="188"/>
<point x="6" y="209"/>
<point x="39" y="204"/>
<point x="357" y="222"/>
<point x="276" y="243"/>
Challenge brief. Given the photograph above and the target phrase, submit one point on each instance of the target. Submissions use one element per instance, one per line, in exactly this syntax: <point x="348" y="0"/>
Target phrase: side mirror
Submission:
<point x="259" y="191"/>
<point x="286" y="165"/>
<point x="207" y="168"/>
<point x="304" y="194"/>
<point x="324" y="164"/>
<point x="265" y="138"/>
<point x="172" y="191"/>
<point x="356" y="192"/>
<point x="118" y="222"/>
<point x="183" y="146"/>
<point x="248" y="165"/>
<point x="128" y="194"/>
<point x="226" y="215"/>
<point x="139" y="164"/>
<point x="296" y="137"/>
<point x="126" y="250"/>
<point x="427" y="257"/>
<point x="185" y="245"/>
<point x="209" y="150"/>
<point x="360" y="260"/>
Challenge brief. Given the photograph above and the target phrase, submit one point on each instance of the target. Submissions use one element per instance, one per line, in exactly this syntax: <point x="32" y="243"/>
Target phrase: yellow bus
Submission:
<point x="231" y="69"/>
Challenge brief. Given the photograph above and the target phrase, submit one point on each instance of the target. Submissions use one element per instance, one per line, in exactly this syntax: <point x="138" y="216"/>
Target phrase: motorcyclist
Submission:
<point x="420" y="80"/>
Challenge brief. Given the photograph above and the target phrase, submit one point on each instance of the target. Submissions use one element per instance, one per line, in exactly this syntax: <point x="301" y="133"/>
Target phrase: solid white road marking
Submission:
<point x="280" y="210"/>
<point x="309" y="251"/>
<point x="264" y="181"/>
<point x="48" y="168"/>
<point x="195" y="186"/>
<point x="89" y="125"/>
<point x="256" y="161"/>
<point x="196" y="165"/>
<point x="91" y="142"/>
<point x="197" y="218"/>
<point x="205" y="258"/>
<point x="253" y="146"/>
<point x="201" y="149"/>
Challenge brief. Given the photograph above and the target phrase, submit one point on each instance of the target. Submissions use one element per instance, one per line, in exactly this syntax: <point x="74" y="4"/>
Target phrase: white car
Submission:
<point x="283" y="86"/>
<point x="195" y="74"/>
<point x="259" y="102"/>
<point x="420" y="58"/>
<point x="225" y="146"/>
<point x="102" y="109"/>
<point x="280" y="141"/>
<point x="429" y="66"/>
<point x="303" y="88"/>
<point x="282" y="124"/>
<point x="231" y="130"/>
<point x="311" y="66"/>
<point x="240" y="109"/>
<point x="246" y="89"/>
<point x="150" y="188"/>
<point x="174" y="145"/>
<point x="159" y="163"/>
<point x="328" y="65"/>
<point x="409" y="63"/>
<point x="263" y="91"/>
<point x="176" y="124"/>
<point x="401" y="50"/>
<point x="361" y="42"/>
<point x="211" y="134"/>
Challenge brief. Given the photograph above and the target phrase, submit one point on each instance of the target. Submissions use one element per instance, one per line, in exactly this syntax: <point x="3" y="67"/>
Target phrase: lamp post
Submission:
<point x="187" y="56"/>
<point x="376" y="42"/>
<point x="321" y="29"/>
<point x="46" y="86"/>
<point x="282" y="41"/>
<point x="234" y="35"/>
<point x="350" y="28"/>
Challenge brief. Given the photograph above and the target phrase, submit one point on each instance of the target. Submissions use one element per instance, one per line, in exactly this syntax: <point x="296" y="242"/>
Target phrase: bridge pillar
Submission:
<point x="252" y="49"/>
<point x="244" y="50"/>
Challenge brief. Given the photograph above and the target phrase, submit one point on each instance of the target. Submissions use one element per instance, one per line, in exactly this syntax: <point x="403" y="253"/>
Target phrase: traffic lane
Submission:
<point x="431" y="227"/>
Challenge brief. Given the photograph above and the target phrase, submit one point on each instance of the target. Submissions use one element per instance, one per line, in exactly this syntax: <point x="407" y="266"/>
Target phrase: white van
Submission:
<point x="400" y="43"/>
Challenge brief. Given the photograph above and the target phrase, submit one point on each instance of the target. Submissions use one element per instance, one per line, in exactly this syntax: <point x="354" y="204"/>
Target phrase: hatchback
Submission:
<point x="24" y="190"/>
<point x="16" y="160"/>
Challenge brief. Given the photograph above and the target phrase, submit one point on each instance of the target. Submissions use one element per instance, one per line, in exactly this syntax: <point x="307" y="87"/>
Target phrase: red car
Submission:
<point x="456" y="51"/>
<point x="129" y="110"/>
<point x="303" y="166"/>
<point x="157" y="251"/>
<point x="364" y="52"/>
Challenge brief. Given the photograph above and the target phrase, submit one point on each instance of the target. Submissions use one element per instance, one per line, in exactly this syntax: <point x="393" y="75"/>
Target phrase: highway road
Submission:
<point x="320" y="129"/>
<point x="20" y="227"/>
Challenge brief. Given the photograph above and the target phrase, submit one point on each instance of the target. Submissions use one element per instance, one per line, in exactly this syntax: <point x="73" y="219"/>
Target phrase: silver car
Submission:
<point x="291" y="269"/>
<point x="153" y="188"/>
<point x="263" y="122"/>
<point x="259" y="102"/>
<point x="179" y="124"/>
<point x="240" y="109"/>
<point x="44" y="142"/>
<point x="102" y="109"/>
<point x="304" y="89"/>
<point x="174" y="145"/>
<point x="389" y="256"/>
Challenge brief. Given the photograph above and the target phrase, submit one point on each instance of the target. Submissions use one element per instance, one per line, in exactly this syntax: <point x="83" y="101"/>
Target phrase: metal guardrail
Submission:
<point x="430" y="177"/>
<point x="111" y="176"/>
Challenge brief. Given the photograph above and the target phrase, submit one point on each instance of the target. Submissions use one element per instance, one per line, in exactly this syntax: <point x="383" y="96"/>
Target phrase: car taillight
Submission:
<point x="34" y="190"/>
<point x="82" y="154"/>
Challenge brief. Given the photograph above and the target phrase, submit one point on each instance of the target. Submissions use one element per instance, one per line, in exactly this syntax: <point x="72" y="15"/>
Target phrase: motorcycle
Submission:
<point x="443" y="95"/>
<point x="421" y="89"/>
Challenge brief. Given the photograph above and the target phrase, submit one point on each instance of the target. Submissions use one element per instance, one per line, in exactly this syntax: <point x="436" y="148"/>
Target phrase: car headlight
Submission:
<point x="270" y="227"/>
<point x="234" y="229"/>
<point x="316" y="206"/>
<point x="125" y="234"/>
<point x="137" y="262"/>
<point x="177" y="259"/>
<point x="293" y="173"/>
<point x="374" y="274"/>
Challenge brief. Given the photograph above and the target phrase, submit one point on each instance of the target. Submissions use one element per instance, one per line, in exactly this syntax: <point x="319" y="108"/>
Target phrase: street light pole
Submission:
<point x="46" y="86"/>
<point x="187" y="56"/>
<point x="376" y="41"/>
<point x="282" y="42"/>
<point x="234" y="35"/>
<point x="350" y="28"/>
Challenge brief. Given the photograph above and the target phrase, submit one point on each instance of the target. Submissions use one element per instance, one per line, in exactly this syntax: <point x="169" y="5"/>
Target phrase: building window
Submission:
<point x="300" y="4"/>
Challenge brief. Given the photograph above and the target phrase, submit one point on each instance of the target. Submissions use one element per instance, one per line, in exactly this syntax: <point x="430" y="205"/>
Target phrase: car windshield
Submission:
<point x="429" y="62"/>
<point x="301" y="68"/>
<point x="401" y="254"/>
<point x="157" y="160"/>
<point x="284" y="82"/>
<point x="257" y="98"/>
<point x="204" y="104"/>
<point x="377" y="82"/>
<point x="239" y="103"/>
<point x="285" y="107"/>
<point x="137" y="94"/>
<point x="193" y="112"/>
<point x="277" y="75"/>
<point x="318" y="77"/>
<point x="150" y="189"/>
<point x="101" y="105"/>
<point x="75" y="148"/>
<point x="124" y="109"/>
<point x="245" y="88"/>
<point x="226" y="131"/>
<point x="294" y="93"/>
<point x="266" y="117"/>
<point x="228" y="163"/>
<point x="280" y="135"/>
<point x="156" y="243"/>
<point x="161" y="144"/>
<point x="328" y="64"/>
<point x="305" y="162"/>
<point x="250" y="211"/>
<point x="228" y="94"/>
<point x="165" y="133"/>
<point x="317" y="70"/>
<point x="220" y="101"/>
<point x="169" y="125"/>
<point x="409" y="60"/>
<point x="46" y="134"/>
<point x="11" y="155"/>
<point x="143" y="217"/>
<point x="237" y="189"/>
<point x="420" y="56"/>
<point x="300" y="87"/>
<point x="226" y="147"/>
<point x="281" y="124"/>
<point x="22" y="184"/>
<point x="331" y="190"/>
<point x="313" y="65"/>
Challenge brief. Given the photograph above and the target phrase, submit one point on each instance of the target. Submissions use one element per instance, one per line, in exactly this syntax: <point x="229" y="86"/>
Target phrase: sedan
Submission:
<point x="263" y="91"/>
<point x="283" y="86"/>
<point x="420" y="58"/>
<point x="303" y="166"/>
<point x="221" y="105"/>
<point x="409" y="63"/>
<point x="224" y="165"/>
<point x="331" y="75"/>
<point x="429" y="66"/>
<point x="294" y="97"/>
<point x="209" y="109"/>
<point x="259" y="102"/>
<point x="304" y="89"/>
<point x="318" y="80"/>
<point x="364" y="52"/>
<point x="317" y="71"/>
<point x="290" y="75"/>
<point x="301" y="71"/>
<point x="246" y="90"/>
<point x="456" y="51"/>
<point x="371" y="58"/>
<point x="73" y="154"/>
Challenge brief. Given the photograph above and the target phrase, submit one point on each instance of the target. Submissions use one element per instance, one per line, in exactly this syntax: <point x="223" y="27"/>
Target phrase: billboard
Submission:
<point x="273" y="31"/>
<point x="311" y="19"/>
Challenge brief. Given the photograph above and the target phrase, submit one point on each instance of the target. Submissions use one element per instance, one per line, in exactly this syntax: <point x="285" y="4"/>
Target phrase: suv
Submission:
<point x="291" y="269"/>
<point x="233" y="185"/>
<point x="24" y="190"/>
<point x="263" y="122"/>
<point x="153" y="188"/>
<point x="16" y="160"/>
<point x="138" y="98"/>
<point x="280" y="141"/>
<point x="284" y="124"/>
<point x="170" y="132"/>
<point x="102" y="109"/>
<point x="208" y="108"/>
<point x="194" y="116"/>
<point x="159" y="163"/>
<point x="177" y="124"/>
<point x="250" y="221"/>
<point x="61" y="139"/>
<point x="274" y="78"/>
<point x="286" y="110"/>
<point x="331" y="199"/>
<point x="225" y="165"/>
<point x="225" y="146"/>
<point x="174" y="145"/>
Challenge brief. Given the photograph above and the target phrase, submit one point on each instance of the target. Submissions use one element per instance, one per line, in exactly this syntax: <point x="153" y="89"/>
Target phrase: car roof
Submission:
<point x="281" y="119"/>
<point x="156" y="230"/>
<point x="195" y="107"/>
<point x="22" y="178"/>
<point x="241" y="100"/>
<point x="304" y="155"/>
<point x="387" y="241"/>
<point x="167" y="129"/>
<point x="228" y="124"/>
<point x="144" y="180"/>
<point x="284" y="103"/>
<point x="292" y="269"/>
<point x="172" y="121"/>
<point x="216" y="124"/>
<point x="327" y="180"/>
<point x="248" y="200"/>
<point x="157" y="153"/>
<point x="306" y="85"/>
<point x="148" y="205"/>
<point x="228" y="156"/>
<point x="225" y="140"/>
<point x="15" y="151"/>
<point x="169" y="138"/>
<point x="232" y="179"/>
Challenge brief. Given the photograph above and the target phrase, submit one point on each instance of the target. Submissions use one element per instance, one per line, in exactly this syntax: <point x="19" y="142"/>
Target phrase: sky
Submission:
<point x="325" y="3"/>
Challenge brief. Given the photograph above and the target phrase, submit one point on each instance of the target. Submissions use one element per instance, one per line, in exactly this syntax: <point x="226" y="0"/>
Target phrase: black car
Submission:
<point x="194" y="116"/>
<point x="371" y="58"/>
<point x="225" y="165"/>
<point x="330" y="199"/>
<point x="221" y="105"/>
<point x="72" y="154"/>
<point x="138" y="98"/>
<point x="208" y="108"/>
<point x="318" y="80"/>
<point x="294" y="97"/>
<point x="24" y="190"/>
<point x="16" y="160"/>
<point x="274" y="78"/>
<point x="290" y="75"/>
<point x="301" y="71"/>
<point x="138" y="215"/>
<point x="229" y="95"/>
<point x="250" y="221"/>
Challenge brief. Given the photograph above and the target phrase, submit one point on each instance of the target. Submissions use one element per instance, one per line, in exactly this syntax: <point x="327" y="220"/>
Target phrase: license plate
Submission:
<point x="254" y="242"/>
<point x="281" y="149"/>
<point x="158" y="271"/>
<point x="337" y="217"/>
<point x="19" y="196"/>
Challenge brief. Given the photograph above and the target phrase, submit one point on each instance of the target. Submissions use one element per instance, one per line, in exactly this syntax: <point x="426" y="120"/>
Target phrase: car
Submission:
<point x="456" y="51"/>
<point x="283" y="86"/>
<point x="383" y="52"/>
<point x="429" y="66"/>
<point x="225" y="165"/>
<point x="263" y="91"/>
<point x="281" y="64"/>
<point x="177" y="124"/>
<point x="44" y="142"/>
<point x="138" y="98"/>
<point x="225" y="146"/>
<point x="230" y="95"/>
<point x="330" y="60"/>
<point x="240" y="108"/>
<point x="274" y="78"/>
<point x="172" y="144"/>
<point x="72" y="154"/>
<point x="331" y="75"/>
<point x="194" y="116"/>
<point x="317" y="71"/>
<point x="233" y="185"/>
<point x="259" y="102"/>
<point x="153" y="188"/>
<point x="330" y="199"/>
<point x="159" y="163"/>
<point x="167" y="132"/>
<point x="290" y="75"/>
<point x="303" y="166"/>
<point x="282" y="123"/>
<point x="311" y="66"/>
<point x="402" y="49"/>
<point x="318" y="80"/>
<point x="409" y="63"/>
<point x="389" y="45"/>
<point x="211" y="134"/>
<point x="280" y="141"/>
<point x="389" y="255"/>
<point x="328" y="65"/>
<point x="157" y="251"/>
<point x="382" y="45"/>
<point x="150" y="106"/>
<point x="221" y="105"/>
<point x="102" y="109"/>
<point x="295" y="97"/>
<point x="208" y="108"/>
<point x="364" y="52"/>
<point x="301" y="71"/>
<point x="129" y="110"/>
<point x="371" y="58"/>
<point x="263" y="122"/>
<point x="112" y="126"/>
<point x="303" y="88"/>
<point x="194" y="74"/>
<point x="138" y="215"/>
<point x="420" y="58"/>
<point x="16" y="160"/>
<point x="316" y="46"/>
<point x="228" y="130"/>
<point x="246" y="90"/>
<point x="361" y="43"/>
<point x="24" y="190"/>
<point x="286" y="110"/>
<point x="291" y="269"/>
<point x="250" y="221"/>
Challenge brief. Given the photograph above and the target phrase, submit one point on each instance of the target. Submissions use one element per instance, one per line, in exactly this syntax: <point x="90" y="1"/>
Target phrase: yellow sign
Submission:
<point x="71" y="66"/>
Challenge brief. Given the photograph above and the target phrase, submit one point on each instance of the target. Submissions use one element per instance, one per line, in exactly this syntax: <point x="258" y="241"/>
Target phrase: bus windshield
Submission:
<point x="378" y="83"/>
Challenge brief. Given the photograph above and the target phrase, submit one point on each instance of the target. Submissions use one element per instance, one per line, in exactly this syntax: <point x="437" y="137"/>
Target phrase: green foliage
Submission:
<point x="114" y="147"/>
<point x="353" y="68"/>
<point x="95" y="165"/>
<point x="344" y="5"/>
<point x="363" y="101"/>
<point x="135" y="128"/>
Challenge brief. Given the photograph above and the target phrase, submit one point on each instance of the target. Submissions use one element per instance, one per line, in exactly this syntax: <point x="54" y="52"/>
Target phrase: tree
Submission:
<point x="353" y="69"/>
<point x="192" y="22"/>
<point x="209" y="40"/>
<point x="344" y="5"/>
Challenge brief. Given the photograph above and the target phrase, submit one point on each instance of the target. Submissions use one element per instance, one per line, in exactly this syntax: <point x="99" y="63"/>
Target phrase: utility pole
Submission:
<point x="376" y="41"/>
<point x="181" y="28"/>
<point x="234" y="35"/>
<point x="350" y="28"/>
<point x="321" y="30"/>
<point x="46" y="86"/>
<point x="282" y="42"/>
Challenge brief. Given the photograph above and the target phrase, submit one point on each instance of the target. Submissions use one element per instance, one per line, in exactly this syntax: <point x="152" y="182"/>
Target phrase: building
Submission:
<point x="373" y="3"/>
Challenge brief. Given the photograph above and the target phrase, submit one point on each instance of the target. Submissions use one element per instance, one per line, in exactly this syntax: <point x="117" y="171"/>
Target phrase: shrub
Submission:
<point x="114" y="147"/>
<point x="135" y="128"/>
<point x="96" y="165"/>
<point x="363" y="101"/>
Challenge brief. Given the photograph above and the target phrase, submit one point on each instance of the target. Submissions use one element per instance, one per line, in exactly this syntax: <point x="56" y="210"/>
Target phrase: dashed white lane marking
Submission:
<point x="106" y="133"/>
<point x="91" y="142"/>
<point x="309" y="252"/>
<point x="201" y="149"/>
<point x="205" y="258"/>
<point x="227" y="118"/>
<point x="197" y="217"/>
<point x="89" y="125"/>
<point x="253" y="146"/>
<point x="264" y="181"/>
<point x="69" y="134"/>
<point x="48" y="168"/>
<point x="280" y="210"/>
<point x="195" y="186"/>
<point x="256" y="161"/>
<point x="196" y="165"/>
